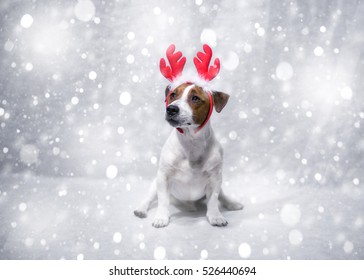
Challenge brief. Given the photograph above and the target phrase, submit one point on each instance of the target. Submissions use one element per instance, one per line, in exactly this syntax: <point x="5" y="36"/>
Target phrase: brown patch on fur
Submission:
<point x="179" y="91"/>
<point x="200" y="109"/>
<point x="220" y="100"/>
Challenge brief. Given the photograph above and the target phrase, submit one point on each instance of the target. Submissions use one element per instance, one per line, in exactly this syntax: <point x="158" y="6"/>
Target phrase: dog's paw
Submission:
<point x="161" y="222"/>
<point x="218" y="221"/>
<point x="140" y="213"/>
<point x="234" y="206"/>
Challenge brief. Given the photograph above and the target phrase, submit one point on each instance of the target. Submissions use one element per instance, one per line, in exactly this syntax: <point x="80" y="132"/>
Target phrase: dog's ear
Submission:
<point x="220" y="100"/>
<point x="168" y="89"/>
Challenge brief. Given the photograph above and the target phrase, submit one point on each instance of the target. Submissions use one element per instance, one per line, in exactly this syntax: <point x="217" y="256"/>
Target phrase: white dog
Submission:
<point x="190" y="165"/>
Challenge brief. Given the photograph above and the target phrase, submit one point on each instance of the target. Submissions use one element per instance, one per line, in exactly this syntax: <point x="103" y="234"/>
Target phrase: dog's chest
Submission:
<point x="188" y="181"/>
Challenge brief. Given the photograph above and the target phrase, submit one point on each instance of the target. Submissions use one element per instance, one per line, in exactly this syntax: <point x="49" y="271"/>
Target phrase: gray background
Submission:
<point x="292" y="133"/>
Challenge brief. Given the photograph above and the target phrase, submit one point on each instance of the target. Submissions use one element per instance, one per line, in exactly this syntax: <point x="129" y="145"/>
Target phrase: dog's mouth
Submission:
<point x="177" y="123"/>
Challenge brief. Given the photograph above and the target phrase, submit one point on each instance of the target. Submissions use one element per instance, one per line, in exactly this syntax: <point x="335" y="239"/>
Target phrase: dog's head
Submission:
<point x="191" y="104"/>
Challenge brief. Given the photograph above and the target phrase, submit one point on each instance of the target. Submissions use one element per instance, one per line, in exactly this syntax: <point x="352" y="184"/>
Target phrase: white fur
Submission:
<point x="194" y="79"/>
<point x="190" y="168"/>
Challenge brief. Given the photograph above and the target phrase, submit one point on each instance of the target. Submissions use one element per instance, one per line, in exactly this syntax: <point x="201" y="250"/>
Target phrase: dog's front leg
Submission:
<point x="162" y="216"/>
<point x="213" y="189"/>
<point x="141" y="212"/>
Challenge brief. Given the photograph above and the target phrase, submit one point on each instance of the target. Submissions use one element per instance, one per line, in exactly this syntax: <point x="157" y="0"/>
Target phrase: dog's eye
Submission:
<point x="195" y="99"/>
<point x="172" y="95"/>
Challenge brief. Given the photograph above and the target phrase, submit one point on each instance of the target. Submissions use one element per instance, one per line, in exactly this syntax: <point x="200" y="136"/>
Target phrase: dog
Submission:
<point x="190" y="165"/>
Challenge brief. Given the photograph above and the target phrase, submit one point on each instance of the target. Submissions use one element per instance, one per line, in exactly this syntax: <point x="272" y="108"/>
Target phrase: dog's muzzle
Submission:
<point x="172" y="111"/>
<point x="171" y="115"/>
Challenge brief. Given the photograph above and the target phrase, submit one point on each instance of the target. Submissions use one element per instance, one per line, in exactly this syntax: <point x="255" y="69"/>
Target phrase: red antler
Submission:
<point x="202" y="62"/>
<point x="177" y="63"/>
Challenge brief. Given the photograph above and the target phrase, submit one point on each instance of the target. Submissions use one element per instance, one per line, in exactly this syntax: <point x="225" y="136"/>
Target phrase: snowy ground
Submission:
<point x="54" y="218"/>
<point x="82" y="126"/>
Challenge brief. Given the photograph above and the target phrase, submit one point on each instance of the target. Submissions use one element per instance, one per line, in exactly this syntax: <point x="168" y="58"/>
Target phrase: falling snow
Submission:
<point x="244" y="250"/>
<point x="22" y="207"/>
<point x="290" y="214"/>
<point x="346" y="93"/>
<point x="208" y="36"/>
<point x="26" y="21"/>
<point x="82" y="126"/>
<point x="84" y="10"/>
<point x="111" y="171"/>
<point x="117" y="237"/>
<point x="284" y="71"/>
<point x="204" y="254"/>
<point x="318" y="51"/>
<point x="295" y="237"/>
<point x="159" y="253"/>
<point x="125" y="98"/>
<point x="92" y="75"/>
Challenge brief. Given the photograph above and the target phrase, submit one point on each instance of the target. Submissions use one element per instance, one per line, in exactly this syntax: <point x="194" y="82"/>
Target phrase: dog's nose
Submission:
<point x="172" y="110"/>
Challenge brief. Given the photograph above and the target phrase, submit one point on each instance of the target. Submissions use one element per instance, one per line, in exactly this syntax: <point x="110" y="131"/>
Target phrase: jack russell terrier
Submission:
<point x="190" y="165"/>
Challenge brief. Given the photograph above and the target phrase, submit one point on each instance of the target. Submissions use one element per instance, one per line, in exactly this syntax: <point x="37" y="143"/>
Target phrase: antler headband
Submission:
<point x="177" y="62"/>
<point x="201" y="60"/>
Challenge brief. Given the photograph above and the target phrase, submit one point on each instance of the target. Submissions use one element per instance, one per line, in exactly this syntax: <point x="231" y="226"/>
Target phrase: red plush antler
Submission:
<point x="202" y="62"/>
<point x="177" y="63"/>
